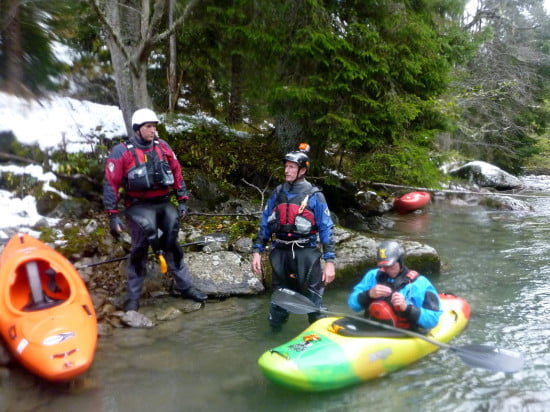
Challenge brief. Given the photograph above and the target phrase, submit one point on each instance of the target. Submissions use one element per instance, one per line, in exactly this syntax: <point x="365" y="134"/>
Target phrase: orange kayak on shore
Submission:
<point x="47" y="318"/>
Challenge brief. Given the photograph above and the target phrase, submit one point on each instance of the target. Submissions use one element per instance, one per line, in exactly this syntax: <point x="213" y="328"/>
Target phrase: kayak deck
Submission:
<point x="320" y="359"/>
<point x="47" y="317"/>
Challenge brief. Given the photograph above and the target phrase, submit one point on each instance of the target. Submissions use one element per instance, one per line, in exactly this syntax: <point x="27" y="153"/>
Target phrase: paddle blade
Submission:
<point x="489" y="357"/>
<point x="163" y="266"/>
<point x="214" y="237"/>
<point x="293" y="301"/>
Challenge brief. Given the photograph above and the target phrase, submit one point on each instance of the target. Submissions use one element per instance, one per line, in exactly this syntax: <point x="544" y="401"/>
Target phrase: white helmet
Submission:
<point x="142" y="116"/>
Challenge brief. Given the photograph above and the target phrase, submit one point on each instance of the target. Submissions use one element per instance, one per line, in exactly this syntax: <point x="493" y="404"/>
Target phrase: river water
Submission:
<point x="206" y="360"/>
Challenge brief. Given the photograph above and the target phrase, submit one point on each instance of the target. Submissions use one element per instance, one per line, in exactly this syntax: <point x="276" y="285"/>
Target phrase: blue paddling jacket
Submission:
<point x="316" y="204"/>
<point x="424" y="306"/>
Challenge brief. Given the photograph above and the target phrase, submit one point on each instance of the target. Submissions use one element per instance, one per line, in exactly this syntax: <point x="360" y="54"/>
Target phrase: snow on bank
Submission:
<point x="51" y="123"/>
<point x="59" y="121"/>
<point x="19" y="213"/>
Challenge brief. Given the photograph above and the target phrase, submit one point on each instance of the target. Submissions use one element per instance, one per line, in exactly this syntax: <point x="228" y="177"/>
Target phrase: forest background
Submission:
<point x="383" y="91"/>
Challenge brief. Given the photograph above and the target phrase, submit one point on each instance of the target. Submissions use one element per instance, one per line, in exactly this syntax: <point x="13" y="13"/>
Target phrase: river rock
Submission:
<point x="357" y="253"/>
<point x="487" y="175"/>
<point x="372" y="203"/>
<point x="506" y="203"/>
<point x="223" y="273"/>
<point x="136" y="320"/>
<point x="169" y="313"/>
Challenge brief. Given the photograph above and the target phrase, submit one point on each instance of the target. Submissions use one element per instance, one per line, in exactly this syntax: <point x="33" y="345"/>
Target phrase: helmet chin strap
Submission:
<point x="140" y="137"/>
<point x="298" y="177"/>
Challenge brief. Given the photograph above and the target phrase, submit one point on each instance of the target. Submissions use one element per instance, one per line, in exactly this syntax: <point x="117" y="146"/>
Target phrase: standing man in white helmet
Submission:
<point x="149" y="172"/>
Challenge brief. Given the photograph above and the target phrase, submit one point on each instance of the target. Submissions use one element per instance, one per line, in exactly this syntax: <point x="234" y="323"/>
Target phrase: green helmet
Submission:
<point x="389" y="252"/>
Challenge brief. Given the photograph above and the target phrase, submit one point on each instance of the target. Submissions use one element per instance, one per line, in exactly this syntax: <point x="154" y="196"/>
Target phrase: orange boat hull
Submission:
<point x="411" y="201"/>
<point x="47" y="318"/>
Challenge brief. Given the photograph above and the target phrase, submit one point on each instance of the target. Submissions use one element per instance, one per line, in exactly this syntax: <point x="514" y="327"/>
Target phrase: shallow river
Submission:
<point x="206" y="360"/>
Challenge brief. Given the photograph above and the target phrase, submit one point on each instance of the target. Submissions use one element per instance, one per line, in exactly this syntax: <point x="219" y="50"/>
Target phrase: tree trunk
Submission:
<point x="172" y="80"/>
<point x="129" y="66"/>
<point x="132" y="32"/>
<point x="234" y="112"/>
<point x="13" y="50"/>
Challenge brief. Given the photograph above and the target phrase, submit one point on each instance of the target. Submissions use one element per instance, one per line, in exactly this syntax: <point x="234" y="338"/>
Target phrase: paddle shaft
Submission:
<point x="479" y="356"/>
<point x="378" y="324"/>
<point x="207" y="239"/>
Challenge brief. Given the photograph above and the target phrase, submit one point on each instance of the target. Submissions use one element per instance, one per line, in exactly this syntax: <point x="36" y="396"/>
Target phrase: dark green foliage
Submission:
<point x="218" y="152"/>
<point x="243" y="228"/>
<point x="364" y="82"/>
<point x="9" y="145"/>
<point x="224" y="60"/>
<point x="409" y="164"/>
<point x="39" y="65"/>
<point x="363" y="76"/>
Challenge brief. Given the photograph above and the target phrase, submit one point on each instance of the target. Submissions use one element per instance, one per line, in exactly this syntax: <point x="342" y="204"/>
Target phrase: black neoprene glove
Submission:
<point x="182" y="208"/>
<point x="115" y="223"/>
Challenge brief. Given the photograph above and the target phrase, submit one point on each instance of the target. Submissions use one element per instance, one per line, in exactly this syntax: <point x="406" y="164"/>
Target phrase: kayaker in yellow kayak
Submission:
<point x="394" y="294"/>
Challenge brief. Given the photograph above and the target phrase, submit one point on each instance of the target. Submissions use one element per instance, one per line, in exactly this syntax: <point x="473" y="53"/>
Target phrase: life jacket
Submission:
<point x="154" y="173"/>
<point x="293" y="217"/>
<point x="382" y="309"/>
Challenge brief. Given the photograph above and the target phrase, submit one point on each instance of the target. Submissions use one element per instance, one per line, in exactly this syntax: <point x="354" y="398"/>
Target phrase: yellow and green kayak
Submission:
<point x="335" y="352"/>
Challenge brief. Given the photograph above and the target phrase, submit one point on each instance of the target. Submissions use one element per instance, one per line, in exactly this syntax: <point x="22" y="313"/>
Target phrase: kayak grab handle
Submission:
<point x="284" y="355"/>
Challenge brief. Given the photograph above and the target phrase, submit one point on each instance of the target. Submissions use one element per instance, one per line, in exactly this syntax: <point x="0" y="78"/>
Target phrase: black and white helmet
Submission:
<point x="299" y="156"/>
<point x="389" y="252"/>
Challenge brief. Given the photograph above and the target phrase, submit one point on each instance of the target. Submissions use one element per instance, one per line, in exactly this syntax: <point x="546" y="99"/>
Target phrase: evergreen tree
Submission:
<point x="363" y="76"/>
<point x="28" y="64"/>
<point x="502" y="94"/>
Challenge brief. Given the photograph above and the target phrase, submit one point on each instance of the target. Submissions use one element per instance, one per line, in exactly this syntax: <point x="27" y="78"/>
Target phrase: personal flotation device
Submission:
<point x="292" y="217"/>
<point x="155" y="172"/>
<point x="382" y="309"/>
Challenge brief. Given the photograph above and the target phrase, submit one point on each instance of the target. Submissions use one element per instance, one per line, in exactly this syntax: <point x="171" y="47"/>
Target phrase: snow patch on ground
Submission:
<point x="58" y="121"/>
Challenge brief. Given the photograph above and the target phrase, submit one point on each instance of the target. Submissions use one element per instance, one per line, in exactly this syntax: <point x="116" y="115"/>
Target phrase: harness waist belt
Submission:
<point x="290" y="244"/>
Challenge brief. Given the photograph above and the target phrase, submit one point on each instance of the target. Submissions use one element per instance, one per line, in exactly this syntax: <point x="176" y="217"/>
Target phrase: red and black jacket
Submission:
<point x="123" y="159"/>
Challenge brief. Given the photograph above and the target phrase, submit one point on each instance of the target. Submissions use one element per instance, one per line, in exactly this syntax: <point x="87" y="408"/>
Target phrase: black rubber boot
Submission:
<point x="195" y="294"/>
<point x="131" y="304"/>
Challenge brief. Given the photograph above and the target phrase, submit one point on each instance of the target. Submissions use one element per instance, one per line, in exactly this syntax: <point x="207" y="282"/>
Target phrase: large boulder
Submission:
<point x="357" y="253"/>
<point x="486" y="175"/>
<point x="223" y="273"/>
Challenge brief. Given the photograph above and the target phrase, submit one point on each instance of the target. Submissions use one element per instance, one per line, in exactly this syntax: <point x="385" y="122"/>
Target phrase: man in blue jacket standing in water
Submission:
<point x="296" y="214"/>
<point x="393" y="294"/>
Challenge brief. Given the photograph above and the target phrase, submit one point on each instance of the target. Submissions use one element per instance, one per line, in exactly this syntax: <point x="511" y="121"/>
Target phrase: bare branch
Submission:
<point x="262" y="192"/>
<point x="180" y="20"/>
<point x="110" y="30"/>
